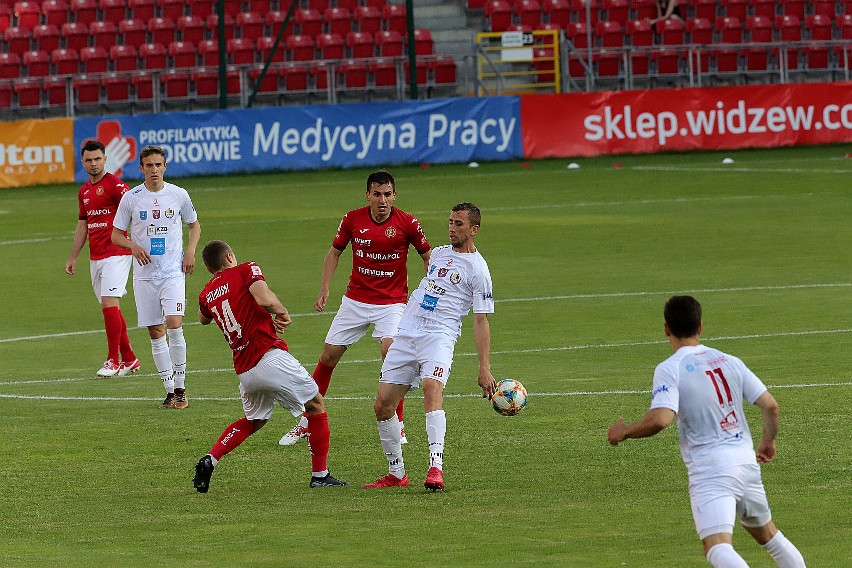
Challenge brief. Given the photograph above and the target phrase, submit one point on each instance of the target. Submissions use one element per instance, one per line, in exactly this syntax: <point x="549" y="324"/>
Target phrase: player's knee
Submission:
<point x="384" y="408"/>
<point x="315" y="406"/>
<point x="258" y="424"/>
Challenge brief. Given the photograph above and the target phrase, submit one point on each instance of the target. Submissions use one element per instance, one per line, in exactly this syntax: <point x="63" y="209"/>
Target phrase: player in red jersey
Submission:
<point x="378" y="286"/>
<point x="109" y="264"/>
<point x="239" y="300"/>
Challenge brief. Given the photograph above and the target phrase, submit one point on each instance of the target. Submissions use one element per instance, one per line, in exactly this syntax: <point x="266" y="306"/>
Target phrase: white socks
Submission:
<point x="783" y="552"/>
<point x="163" y="362"/>
<point x="177" y="352"/>
<point x="724" y="556"/>
<point x="436" y="429"/>
<point x="390" y="437"/>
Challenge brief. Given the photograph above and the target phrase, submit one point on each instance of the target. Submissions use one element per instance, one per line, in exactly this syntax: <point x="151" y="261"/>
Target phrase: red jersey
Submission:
<point x="247" y="326"/>
<point x="98" y="203"/>
<point x="379" y="254"/>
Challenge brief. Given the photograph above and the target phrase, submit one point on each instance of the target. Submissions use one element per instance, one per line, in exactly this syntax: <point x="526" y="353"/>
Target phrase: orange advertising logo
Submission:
<point x="35" y="152"/>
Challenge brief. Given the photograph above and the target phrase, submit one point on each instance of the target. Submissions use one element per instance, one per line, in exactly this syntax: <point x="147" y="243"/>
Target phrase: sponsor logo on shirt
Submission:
<point x="158" y="246"/>
<point x="433" y="288"/>
<point x="143" y="215"/>
<point x="428" y="303"/>
<point x="169" y="213"/>
<point x="98" y="212"/>
<point x="378" y="273"/>
<point x="256" y="271"/>
<point x="97" y="226"/>
<point x="455" y="278"/>
<point x="390" y="232"/>
<point x="730" y="421"/>
<point x="362" y="231"/>
<point x="442" y="272"/>
<point x="485" y="295"/>
<point x="659" y="390"/>
<point x="155" y="213"/>
<point x="362" y="242"/>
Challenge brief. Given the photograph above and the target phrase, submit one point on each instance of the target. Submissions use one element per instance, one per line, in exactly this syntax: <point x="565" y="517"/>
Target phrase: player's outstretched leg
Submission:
<point x="389" y="436"/>
<point x="319" y="436"/>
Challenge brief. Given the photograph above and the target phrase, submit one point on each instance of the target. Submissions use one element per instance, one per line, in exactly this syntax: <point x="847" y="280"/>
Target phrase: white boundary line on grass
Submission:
<point x="533" y="299"/>
<point x="740" y="169"/>
<point x="370" y="398"/>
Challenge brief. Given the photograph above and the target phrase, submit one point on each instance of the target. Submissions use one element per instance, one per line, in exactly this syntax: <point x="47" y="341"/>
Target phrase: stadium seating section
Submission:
<point x="102" y="53"/>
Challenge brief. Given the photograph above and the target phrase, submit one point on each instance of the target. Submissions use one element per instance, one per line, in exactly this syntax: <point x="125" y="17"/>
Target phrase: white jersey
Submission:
<point x="155" y="221"/>
<point x="706" y="388"/>
<point x="456" y="282"/>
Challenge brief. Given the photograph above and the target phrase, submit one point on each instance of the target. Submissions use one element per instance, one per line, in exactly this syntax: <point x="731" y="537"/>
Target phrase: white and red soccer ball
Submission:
<point x="510" y="398"/>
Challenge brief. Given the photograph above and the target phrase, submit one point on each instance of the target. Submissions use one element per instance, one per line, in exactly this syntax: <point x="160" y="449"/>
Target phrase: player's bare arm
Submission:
<point x="267" y="300"/>
<point x="654" y="421"/>
<point x="426" y="256"/>
<point x="140" y="254"/>
<point x="329" y="266"/>
<point x="81" y="233"/>
<point x="204" y="319"/>
<point x="189" y="255"/>
<point x="769" y="410"/>
<point x="482" y="339"/>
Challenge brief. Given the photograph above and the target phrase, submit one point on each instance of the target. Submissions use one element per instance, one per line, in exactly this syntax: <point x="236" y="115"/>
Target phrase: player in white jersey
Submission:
<point x="154" y="213"/>
<point x="705" y="389"/>
<point x="458" y="280"/>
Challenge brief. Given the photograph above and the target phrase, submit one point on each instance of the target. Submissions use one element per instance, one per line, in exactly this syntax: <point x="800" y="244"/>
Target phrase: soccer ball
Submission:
<point x="510" y="398"/>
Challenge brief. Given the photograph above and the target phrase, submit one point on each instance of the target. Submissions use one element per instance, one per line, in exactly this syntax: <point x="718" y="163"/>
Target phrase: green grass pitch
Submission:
<point x="94" y="473"/>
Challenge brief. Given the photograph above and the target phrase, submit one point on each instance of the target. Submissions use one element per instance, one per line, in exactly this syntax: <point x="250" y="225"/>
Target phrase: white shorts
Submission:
<point x="736" y="493"/>
<point x="109" y="275"/>
<point x="412" y="359"/>
<point x="156" y="299"/>
<point x="278" y="376"/>
<point x="351" y="321"/>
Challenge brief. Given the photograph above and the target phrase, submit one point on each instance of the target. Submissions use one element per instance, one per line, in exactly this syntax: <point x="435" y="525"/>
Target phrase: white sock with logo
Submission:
<point x="163" y="362"/>
<point x="783" y="552"/>
<point x="436" y="429"/>
<point x="390" y="438"/>
<point x="177" y="351"/>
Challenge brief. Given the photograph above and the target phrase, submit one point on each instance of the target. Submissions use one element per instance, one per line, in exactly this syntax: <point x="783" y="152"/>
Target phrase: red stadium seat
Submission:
<point x="443" y="69"/>
<point x="389" y="44"/>
<point x="529" y="13"/>
<point x="264" y="47"/>
<point x="182" y="54"/>
<point x="116" y="88"/>
<point x="422" y="70"/>
<point x="5" y="95"/>
<point x="319" y="71"/>
<point x="764" y="8"/>
<point x="84" y="11"/>
<point x="360" y="44"/>
<point x="172" y="9"/>
<point x="789" y="28"/>
<point x="206" y="82"/>
<point x="667" y="61"/>
<point x="309" y="22"/>
<point x="300" y="48"/>
<point x="353" y="74"/>
<point x="103" y="34"/>
<point x="702" y="9"/>
<point x="142" y="10"/>
<point x="499" y="15"/>
<point x="671" y="31"/>
<point x="161" y="30"/>
<point x="331" y="46"/>
<point x="232" y="8"/>
<point x="644" y="9"/>
<point x="65" y="61"/>
<point x="46" y="37"/>
<point x="5" y="23"/>
<point x="260" y="6"/>
<point x="383" y="71"/>
<point x="176" y="83"/>
<point x="578" y="10"/>
<point x="639" y="33"/>
<point x="577" y="33"/>
<point x="27" y="14"/>
<point x="123" y="57"/>
<point x="17" y="38"/>
<point x="793" y="8"/>
<point x="56" y="91"/>
<point x="270" y="80"/>
<point x="36" y="63"/>
<point x="824" y="8"/>
<point x="368" y="19"/>
<point x="616" y="11"/>
<point x="213" y="26"/>
<point x="609" y="34"/>
<point x="113" y="10"/>
<point x="295" y="76"/>
<point x="202" y="8"/>
<point x="735" y="9"/>
<point x="700" y="31"/>
<point x="337" y="21"/>
<point x="557" y="12"/>
<point x="274" y="20"/>
<point x="10" y="65"/>
<point x="93" y="59"/>
<point x="143" y="85"/>
<point x="423" y="42"/>
<point x="241" y="51"/>
<point x="208" y="52"/>
<point x="55" y="12"/>
<point x="87" y="90"/>
<point x="730" y="30"/>
<point x="75" y="36"/>
<point x="190" y="28"/>
<point x="153" y="56"/>
<point x="724" y="61"/>
<point x="844" y="25"/>
<point x="395" y="17"/>
<point x="250" y="25"/>
<point x="28" y="92"/>
<point x="132" y="32"/>
<point x="759" y="29"/>
<point x="818" y="27"/>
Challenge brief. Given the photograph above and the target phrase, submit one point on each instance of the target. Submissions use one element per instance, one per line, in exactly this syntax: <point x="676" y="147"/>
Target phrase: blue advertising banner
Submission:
<point x="310" y="137"/>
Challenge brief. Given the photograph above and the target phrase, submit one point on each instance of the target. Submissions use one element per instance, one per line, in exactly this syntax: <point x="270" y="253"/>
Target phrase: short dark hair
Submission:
<point x="473" y="212"/>
<point x="92" y="146"/>
<point x="214" y="254"/>
<point x="380" y="177"/>
<point x="683" y="316"/>
<point x="149" y="150"/>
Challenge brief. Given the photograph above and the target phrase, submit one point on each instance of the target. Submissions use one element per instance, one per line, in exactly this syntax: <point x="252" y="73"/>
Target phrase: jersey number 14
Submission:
<point x="227" y="321"/>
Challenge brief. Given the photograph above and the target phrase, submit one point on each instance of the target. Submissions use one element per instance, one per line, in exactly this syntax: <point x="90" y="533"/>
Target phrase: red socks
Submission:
<point x="322" y="377"/>
<point x="116" y="332"/>
<point x="236" y="434"/>
<point x="399" y="409"/>
<point x="318" y="441"/>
